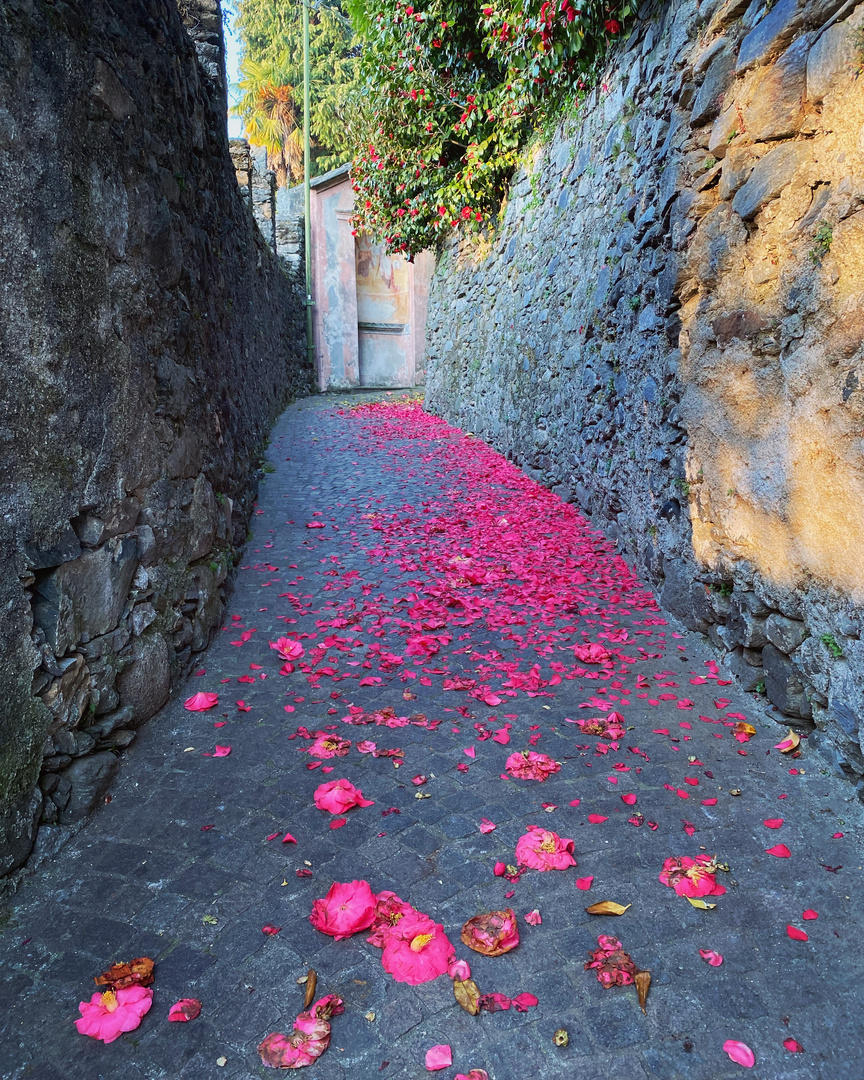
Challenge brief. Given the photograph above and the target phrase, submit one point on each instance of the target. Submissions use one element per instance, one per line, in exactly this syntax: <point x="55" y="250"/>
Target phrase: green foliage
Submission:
<point x="449" y="92"/>
<point x="830" y="643"/>
<point x="271" y="82"/>
<point x="823" y="237"/>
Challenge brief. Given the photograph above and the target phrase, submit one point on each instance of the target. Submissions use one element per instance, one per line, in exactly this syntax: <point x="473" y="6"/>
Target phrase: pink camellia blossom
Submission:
<point x="740" y="1053"/>
<point x="308" y="1041"/>
<point x="541" y="849"/>
<point x="328" y="746"/>
<point x="591" y="654"/>
<point x="337" y="796"/>
<point x="287" y="649"/>
<point x="692" y="877"/>
<point x="439" y="1057"/>
<point x="531" y="765"/>
<point x="609" y="727"/>
<point x="534" y="918"/>
<point x="200" y="702"/>
<point x="106" y="1016"/>
<point x="184" y="1009"/>
<point x="347" y="908"/>
<point x="711" y="957"/>
<point x="417" y="950"/>
<point x="389" y="910"/>
<point x="460" y="969"/>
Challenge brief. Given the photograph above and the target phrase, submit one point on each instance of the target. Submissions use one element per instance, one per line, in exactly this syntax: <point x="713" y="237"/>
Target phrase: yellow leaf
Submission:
<point x="697" y="903"/>
<point x="466" y="993"/>
<point x="607" y="907"/>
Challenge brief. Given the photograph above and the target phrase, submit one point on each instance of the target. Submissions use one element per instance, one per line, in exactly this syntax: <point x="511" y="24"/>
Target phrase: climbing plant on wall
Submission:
<point x="271" y="81"/>
<point x="448" y="92"/>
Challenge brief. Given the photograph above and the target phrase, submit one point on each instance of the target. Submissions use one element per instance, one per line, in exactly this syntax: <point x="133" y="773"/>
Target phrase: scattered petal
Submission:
<point x="184" y="1009"/>
<point x="740" y="1053"/>
<point x="439" y="1057"/>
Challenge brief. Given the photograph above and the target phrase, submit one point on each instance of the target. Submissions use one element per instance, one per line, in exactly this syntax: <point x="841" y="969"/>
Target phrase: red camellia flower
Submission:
<point x="417" y="950"/>
<point x="347" y="908"/>
<point x="541" y="849"/>
<point x="612" y="25"/>
<point x="692" y="877"/>
<point x="308" y="1041"/>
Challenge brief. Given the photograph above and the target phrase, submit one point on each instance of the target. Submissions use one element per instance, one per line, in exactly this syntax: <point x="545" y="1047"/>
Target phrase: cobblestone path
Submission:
<point x="443" y="584"/>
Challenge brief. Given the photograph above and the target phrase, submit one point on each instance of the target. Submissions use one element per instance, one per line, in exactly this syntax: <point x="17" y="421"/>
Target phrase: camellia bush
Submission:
<point x="449" y="93"/>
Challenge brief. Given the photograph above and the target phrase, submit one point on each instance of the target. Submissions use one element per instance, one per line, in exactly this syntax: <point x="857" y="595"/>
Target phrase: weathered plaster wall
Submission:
<point x="668" y="326"/>
<point x="148" y="339"/>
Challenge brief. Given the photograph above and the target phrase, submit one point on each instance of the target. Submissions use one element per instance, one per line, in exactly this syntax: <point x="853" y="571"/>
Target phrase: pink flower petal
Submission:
<point x="793" y="1046"/>
<point x="779" y="851"/>
<point x="740" y="1053"/>
<point x="288" y="839"/>
<point x="534" y="918"/>
<point x="469" y="751"/>
<point x="271" y="931"/>
<point x="500" y="869"/>
<point x="183" y="1010"/>
<point x="439" y="1057"/>
<point x="524" y="1001"/>
<point x="597" y="819"/>
<point x="773" y="823"/>
<point x="222" y="751"/>
<point x="338" y="822"/>
<point x="459" y="969"/>
<point x="711" y="957"/>
<point x="584" y="883"/>
<point x="810" y="914"/>
<point x="200" y="702"/>
<point x="796" y="934"/>
<point x="487" y="826"/>
<point x="629" y="799"/>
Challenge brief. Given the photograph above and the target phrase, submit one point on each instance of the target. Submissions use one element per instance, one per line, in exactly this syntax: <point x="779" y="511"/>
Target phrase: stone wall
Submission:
<point x="149" y="338"/>
<point x="667" y="328"/>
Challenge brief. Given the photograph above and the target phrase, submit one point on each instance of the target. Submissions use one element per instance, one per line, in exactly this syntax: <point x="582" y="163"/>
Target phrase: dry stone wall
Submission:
<point x="667" y="328"/>
<point x="148" y="339"/>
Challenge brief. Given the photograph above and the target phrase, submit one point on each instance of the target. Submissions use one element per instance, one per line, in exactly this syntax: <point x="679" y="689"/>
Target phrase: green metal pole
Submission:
<point x="307" y="224"/>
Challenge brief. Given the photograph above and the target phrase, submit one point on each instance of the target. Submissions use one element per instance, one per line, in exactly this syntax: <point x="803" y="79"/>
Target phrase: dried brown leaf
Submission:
<point x="643" y="984"/>
<point x="311" y="984"/>
<point x="607" y="907"/>
<point x="138" y="972"/>
<point x="466" y="993"/>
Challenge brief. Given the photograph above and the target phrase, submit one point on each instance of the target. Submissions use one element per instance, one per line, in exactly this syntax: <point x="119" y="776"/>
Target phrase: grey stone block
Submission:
<point x="770" y="35"/>
<point x="18" y="824"/>
<point x="717" y="80"/>
<point x="90" y="778"/>
<point x="748" y="676"/>
<point x="785" y="634"/>
<point x="145" y="684"/>
<point x="770" y="175"/>
<point x="744" y="627"/>
<point x="783" y="684"/>
<point x="85" y="596"/>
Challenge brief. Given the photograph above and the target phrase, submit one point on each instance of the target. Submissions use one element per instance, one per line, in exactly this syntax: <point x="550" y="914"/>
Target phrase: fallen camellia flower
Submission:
<point x="200" y="702"/>
<point x="492" y="934"/>
<point x="740" y="1053"/>
<point x="610" y="727"/>
<point x="692" y="877"/>
<point x="287" y="649"/>
<point x="531" y="765"/>
<point x="337" y="796"/>
<point x="138" y="972"/>
<point x="541" y="849"/>
<point x="108" y="1015"/>
<point x="389" y="909"/>
<point x="347" y="908"/>
<point x="184" y="1009"/>
<point x="308" y="1041"/>
<point x="614" y="967"/>
<point x="439" y="1057"/>
<point x="328" y="746"/>
<point x="591" y="654"/>
<point x="417" y="950"/>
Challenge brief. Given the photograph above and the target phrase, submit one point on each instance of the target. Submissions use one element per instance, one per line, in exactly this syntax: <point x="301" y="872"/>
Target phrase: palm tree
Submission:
<point x="269" y="112"/>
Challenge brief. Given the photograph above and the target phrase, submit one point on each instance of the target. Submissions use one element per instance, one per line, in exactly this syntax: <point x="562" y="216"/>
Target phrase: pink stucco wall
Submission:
<point x="369" y="309"/>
